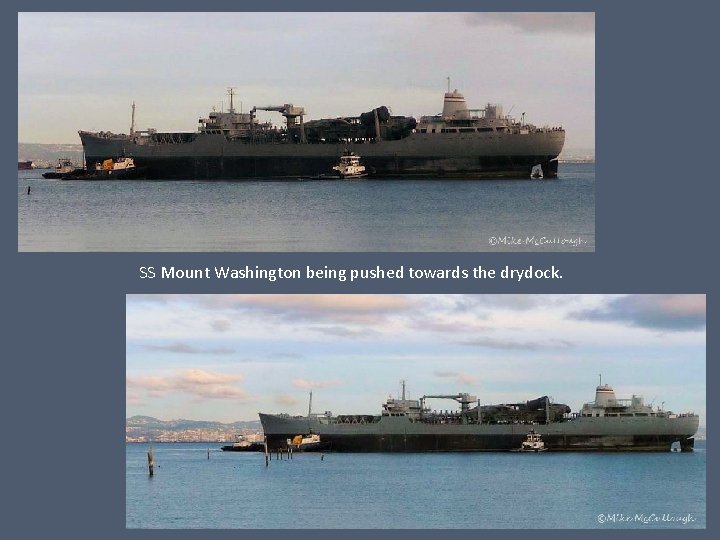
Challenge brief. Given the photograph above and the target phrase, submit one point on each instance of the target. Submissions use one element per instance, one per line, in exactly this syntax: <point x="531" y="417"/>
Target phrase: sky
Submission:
<point x="82" y="71"/>
<point x="228" y="357"/>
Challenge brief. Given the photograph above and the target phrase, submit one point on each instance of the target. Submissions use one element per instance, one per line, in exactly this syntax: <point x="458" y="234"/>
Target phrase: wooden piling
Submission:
<point x="151" y="461"/>
<point x="208" y="453"/>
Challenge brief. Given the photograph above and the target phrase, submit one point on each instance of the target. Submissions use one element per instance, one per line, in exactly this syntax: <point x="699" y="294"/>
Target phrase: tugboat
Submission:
<point x="122" y="168"/>
<point x="243" y="445"/>
<point x="64" y="167"/>
<point x="349" y="166"/>
<point x="306" y="443"/>
<point x="533" y="443"/>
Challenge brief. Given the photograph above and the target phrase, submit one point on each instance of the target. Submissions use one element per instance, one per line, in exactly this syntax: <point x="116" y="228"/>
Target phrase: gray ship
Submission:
<point x="458" y="143"/>
<point x="406" y="425"/>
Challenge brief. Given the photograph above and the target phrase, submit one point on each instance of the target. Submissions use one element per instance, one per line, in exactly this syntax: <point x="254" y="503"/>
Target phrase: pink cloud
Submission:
<point x="199" y="383"/>
<point x="286" y="400"/>
<point x="310" y="385"/>
<point x="134" y="399"/>
<point x="682" y="304"/>
<point x="463" y="379"/>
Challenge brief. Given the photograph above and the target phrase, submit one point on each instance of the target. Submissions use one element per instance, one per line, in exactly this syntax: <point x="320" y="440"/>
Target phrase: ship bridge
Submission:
<point x="456" y="117"/>
<point x="606" y="404"/>
<point x="402" y="406"/>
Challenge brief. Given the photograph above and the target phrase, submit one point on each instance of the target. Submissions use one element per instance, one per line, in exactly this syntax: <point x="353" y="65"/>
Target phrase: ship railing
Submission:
<point x="111" y="135"/>
<point x="355" y="419"/>
<point x="173" y="138"/>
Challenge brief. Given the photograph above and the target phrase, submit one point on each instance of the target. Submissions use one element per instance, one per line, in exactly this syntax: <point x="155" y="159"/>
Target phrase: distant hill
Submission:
<point x="148" y="422"/>
<point x="148" y="428"/>
<point x="48" y="154"/>
<point x="582" y="155"/>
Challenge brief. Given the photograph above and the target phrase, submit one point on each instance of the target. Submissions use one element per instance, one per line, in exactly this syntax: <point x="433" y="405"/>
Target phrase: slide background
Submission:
<point x="63" y="375"/>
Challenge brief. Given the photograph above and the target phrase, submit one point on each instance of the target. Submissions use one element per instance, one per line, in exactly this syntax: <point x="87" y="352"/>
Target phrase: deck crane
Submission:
<point x="290" y="112"/>
<point x="464" y="399"/>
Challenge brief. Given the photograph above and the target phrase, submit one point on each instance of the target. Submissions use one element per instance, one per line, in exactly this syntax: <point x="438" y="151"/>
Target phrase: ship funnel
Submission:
<point x="604" y="395"/>
<point x="454" y="106"/>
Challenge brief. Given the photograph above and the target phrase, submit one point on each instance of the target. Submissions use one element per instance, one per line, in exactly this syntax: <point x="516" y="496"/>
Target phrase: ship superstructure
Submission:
<point x="457" y="143"/>
<point x="408" y="425"/>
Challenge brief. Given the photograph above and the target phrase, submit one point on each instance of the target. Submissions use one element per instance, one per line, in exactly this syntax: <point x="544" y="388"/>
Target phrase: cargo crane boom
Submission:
<point x="290" y="112"/>
<point x="464" y="399"/>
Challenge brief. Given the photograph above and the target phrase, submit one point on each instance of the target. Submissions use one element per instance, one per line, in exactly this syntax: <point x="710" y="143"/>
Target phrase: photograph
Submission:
<point x="306" y="132"/>
<point x="380" y="411"/>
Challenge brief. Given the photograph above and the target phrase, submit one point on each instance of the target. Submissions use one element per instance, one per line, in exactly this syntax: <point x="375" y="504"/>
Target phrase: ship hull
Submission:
<point x="401" y="435"/>
<point x="133" y="173"/>
<point x="254" y="447"/>
<point x="214" y="157"/>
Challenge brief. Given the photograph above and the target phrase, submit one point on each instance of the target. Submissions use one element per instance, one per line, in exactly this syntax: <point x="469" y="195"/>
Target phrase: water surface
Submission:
<point x="352" y="215"/>
<point x="453" y="490"/>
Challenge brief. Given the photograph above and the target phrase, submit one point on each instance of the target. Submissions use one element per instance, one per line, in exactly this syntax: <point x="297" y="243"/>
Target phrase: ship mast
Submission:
<point x="547" y="410"/>
<point x="231" y="92"/>
<point x="132" y="120"/>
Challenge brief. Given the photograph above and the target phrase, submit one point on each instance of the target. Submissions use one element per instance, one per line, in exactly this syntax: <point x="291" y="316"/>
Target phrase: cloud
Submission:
<point x="184" y="348"/>
<point x="344" y="331"/>
<point x="673" y="312"/>
<point x="199" y="383"/>
<point x="220" y="325"/>
<point x="455" y="323"/>
<point x="509" y="344"/>
<point x="286" y="400"/>
<point x="310" y="385"/>
<point x="161" y="299"/>
<point x="513" y="302"/>
<point x="459" y="378"/>
<point x="358" y="308"/>
<point x="538" y="22"/>
<point x="284" y="355"/>
<point x="472" y="302"/>
<point x="134" y="399"/>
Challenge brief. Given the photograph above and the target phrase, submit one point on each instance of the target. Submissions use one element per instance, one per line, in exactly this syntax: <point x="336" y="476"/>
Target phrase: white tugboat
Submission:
<point x="111" y="166"/>
<point x="349" y="166"/>
<point x="243" y="444"/>
<point x="63" y="167"/>
<point x="109" y="169"/>
<point x="533" y="443"/>
<point x="306" y="443"/>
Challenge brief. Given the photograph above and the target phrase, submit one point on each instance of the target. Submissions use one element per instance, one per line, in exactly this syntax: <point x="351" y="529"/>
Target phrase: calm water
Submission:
<point x="487" y="490"/>
<point x="359" y="215"/>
